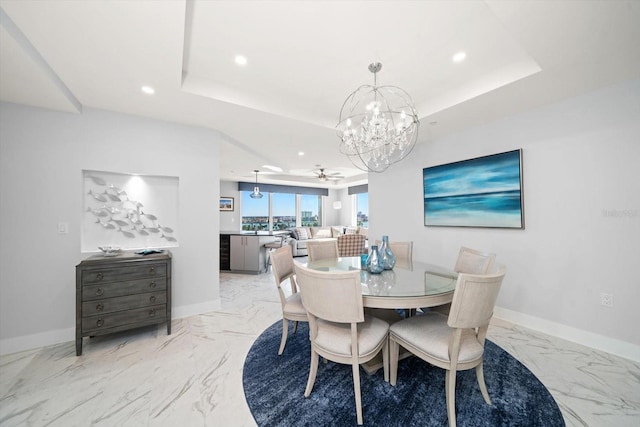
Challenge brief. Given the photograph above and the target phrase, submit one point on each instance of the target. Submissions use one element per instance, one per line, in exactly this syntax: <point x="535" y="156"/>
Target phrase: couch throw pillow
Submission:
<point x="302" y="233"/>
<point x="322" y="233"/>
<point x="294" y="233"/>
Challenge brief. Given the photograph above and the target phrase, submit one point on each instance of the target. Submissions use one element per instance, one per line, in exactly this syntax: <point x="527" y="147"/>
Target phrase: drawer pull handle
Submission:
<point x="99" y="276"/>
<point x="99" y="291"/>
<point x="99" y="307"/>
<point x="152" y="284"/>
<point x="99" y="323"/>
<point x="152" y="270"/>
<point x="152" y="312"/>
<point x="152" y="298"/>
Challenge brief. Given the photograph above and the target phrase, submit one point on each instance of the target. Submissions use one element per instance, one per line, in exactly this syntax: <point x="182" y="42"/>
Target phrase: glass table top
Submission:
<point x="409" y="280"/>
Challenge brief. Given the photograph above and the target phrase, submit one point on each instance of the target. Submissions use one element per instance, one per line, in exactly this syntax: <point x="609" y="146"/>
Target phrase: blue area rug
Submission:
<point x="274" y="388"/>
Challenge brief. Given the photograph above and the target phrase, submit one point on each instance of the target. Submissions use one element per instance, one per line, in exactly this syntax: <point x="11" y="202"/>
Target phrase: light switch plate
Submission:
<point x="63" y="228"/>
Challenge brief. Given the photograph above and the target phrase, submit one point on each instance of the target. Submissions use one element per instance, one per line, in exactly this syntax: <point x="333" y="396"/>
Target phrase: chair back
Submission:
<point x="332" y="296"/>
<point x="283" y="267"/>
<point x="474" y="299"/>
<point x="352" y="244"/>
<point x="402" y="250"/>
<point x="474" y="262"/>
<point x="322" y="249"/>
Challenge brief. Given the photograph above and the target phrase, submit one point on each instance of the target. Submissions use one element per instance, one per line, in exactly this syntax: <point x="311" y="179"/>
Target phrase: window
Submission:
<point x="362" y="209"/>
<point x="283" y="208"/>
<point x="310" y="210"/>
<point x="255" y="212"/>
<point x="283" y="211"/>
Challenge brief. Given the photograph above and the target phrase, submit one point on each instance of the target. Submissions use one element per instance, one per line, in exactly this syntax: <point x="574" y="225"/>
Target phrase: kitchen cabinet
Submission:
<point x="248" y="253"/>
<point x="244" y="251"/>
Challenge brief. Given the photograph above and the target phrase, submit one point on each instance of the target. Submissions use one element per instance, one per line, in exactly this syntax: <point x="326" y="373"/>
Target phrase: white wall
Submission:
<point x="231" y="221"/>
<point x="582" y="211"/>
<point x="346" y="215"/>
<point x="331" y="215"/>
<point x="42" y="155"/>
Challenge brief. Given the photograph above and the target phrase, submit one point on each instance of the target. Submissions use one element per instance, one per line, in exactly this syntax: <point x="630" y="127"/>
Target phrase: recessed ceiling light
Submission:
<point x="241" y="60"/>
<point x="300" y="153"/>
<point x="273" y="168"/>
<point x="148" y="90"/>
<point x="459" y="57"/>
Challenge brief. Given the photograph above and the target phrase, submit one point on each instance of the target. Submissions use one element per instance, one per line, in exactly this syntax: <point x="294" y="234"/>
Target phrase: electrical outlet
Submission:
<point x="606" y="299"/>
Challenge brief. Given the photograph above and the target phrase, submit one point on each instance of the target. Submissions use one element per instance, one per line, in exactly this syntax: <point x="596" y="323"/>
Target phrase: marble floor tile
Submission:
<point x="194" y="376"/>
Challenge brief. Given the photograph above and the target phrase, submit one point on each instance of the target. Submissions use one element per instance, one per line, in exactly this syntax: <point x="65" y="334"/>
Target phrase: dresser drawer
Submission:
<point x="116" y="289"/>
<point x="109" y="305"/>
<point x="124" y="273"/>
<point x="152" y="314"/>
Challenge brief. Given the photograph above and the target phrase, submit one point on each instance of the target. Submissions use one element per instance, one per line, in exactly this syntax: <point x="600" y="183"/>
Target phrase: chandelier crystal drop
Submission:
<point x="256" y="190"/>
<point x="378" y="125"/>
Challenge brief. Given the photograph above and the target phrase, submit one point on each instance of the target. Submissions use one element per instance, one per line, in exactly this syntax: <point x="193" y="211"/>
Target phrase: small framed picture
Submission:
<point x="226" y="204"/>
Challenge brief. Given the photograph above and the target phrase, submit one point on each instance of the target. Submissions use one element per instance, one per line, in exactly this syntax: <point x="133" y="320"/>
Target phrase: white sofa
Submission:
<point x="299" y="238"/>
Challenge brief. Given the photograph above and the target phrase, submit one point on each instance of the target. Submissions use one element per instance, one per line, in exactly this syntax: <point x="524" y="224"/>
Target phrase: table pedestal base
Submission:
<point x="372" y="366"/>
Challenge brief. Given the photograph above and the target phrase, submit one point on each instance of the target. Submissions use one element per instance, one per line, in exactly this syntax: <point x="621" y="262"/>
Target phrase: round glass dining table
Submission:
<point x="407" y="285"/>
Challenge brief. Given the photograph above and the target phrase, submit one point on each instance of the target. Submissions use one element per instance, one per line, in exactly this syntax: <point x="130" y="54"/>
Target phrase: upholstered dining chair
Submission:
<point x="338" y="328"/>
<point x="402" y="250"/>
<point x="474" y="261"/>
<point x="454" y="342"/>
<point x="276" y="244"/>
<point x="322" y="249"/>
<point x="292" y="308"/>
<point x="469" y="261"/>
<point x="352" y="245"/>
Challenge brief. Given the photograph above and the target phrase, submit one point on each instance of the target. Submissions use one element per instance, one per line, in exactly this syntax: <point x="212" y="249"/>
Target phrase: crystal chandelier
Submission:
<point x="378" y="125"/>
<point x="256" y="190"/>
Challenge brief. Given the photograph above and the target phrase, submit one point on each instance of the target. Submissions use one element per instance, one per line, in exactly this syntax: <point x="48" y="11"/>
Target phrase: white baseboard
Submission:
<point x="193" y="309"/>
<point x="43" y="339"/>
<point x="589" y="339"/>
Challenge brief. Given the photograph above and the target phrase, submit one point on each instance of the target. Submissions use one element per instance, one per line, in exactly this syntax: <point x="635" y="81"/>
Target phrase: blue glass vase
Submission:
<point x="373" y="261"/>
<point x="387" y="258"/>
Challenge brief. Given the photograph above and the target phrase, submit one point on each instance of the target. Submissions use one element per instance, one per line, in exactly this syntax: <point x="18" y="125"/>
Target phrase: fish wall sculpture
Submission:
<point x="123" y="215"/>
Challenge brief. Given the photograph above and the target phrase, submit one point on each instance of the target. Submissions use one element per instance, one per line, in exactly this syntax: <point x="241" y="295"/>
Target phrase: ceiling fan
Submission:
<point x="327" y="176"/>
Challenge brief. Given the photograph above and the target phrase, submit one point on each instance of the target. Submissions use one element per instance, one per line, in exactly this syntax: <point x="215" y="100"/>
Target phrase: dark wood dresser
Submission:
<point x="122" y="292"/>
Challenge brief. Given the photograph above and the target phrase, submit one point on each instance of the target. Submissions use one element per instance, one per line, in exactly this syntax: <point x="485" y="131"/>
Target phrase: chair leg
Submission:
<point x="481" y="383"/>
<point x="283" y="340"/>
<point x="394" y="348"/>
<point x="385" y="360"/>
<point x="356" y="390"/>
<point x="450" y="387"/>
<point x="313" y="370"/>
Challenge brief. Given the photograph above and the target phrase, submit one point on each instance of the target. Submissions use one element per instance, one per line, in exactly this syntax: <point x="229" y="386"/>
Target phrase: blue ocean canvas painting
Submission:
<point x="481" y="192"/>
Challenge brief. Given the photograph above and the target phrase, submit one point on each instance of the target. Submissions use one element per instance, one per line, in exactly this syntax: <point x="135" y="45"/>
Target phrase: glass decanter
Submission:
<point x="373" y="261"/>
<point x="387" y="258"/>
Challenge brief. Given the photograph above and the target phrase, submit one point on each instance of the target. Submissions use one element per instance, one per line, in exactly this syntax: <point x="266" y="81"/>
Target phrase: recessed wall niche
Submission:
<point x="129" y="211"/>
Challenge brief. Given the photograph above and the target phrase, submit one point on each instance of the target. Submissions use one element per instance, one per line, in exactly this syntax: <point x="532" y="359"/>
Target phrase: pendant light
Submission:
<point x="256" y="190"/>
<point x="378" y="125"/>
